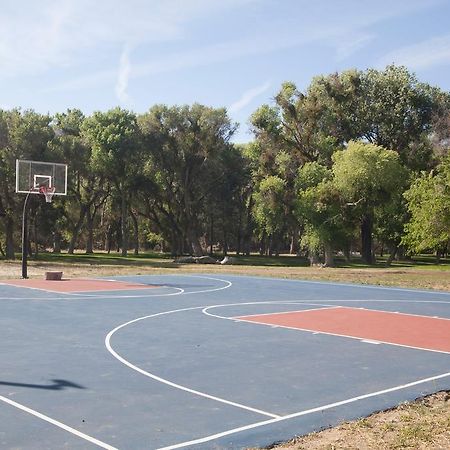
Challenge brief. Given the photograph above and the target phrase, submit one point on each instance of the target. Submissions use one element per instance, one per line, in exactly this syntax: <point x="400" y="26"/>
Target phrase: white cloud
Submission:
<point x="247" y="97"/>
<point x="423" y="55"/>
<point x="48" y="34"/>
<point x="89" y="30"/>
<point x="123" y="76"/>
<point x="347" y="46"/>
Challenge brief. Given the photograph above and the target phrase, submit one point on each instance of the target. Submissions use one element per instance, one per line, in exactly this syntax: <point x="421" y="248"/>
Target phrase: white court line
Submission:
<point x="398" y="313"/>
<point x="167" y="382"/>
<point x="359" y="338"/>
<point x="227" y="284"/>
<point x="183" y="291"/>
<point x="34" y="288"/>
<point x="57" y="423"/>
<point x="80" y="295"/>
<point x="269" y="302"/>
<point x="95" y="297"/>
<point x="287" y="312"/>
<point x="337" y="284"/>
<point x="304" y="413"/>
<point x="179" y="291"/>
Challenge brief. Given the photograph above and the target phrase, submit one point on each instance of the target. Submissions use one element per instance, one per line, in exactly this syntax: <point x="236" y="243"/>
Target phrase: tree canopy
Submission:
<point x="355" y="163"/>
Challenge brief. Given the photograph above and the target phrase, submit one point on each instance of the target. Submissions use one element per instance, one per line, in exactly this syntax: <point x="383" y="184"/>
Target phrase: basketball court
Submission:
<point x="209" y="361"/>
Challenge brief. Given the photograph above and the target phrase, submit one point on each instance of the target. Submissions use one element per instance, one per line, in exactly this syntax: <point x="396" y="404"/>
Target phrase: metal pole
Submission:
<point x="25" y="237"/>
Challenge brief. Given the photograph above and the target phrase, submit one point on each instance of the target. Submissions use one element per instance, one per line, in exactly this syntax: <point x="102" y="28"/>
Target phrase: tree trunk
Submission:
<point x="35" y="237"/>
<point x="294" y="247"/>
<point x="392" y="254"/>
<point x="108" y="240"/>
<point x="9" y="231"/>
<point x="329" y="255"/>
<point x="438" y="256"/>
<point x="239" y="235"/>
<point x="124" y="224"/>
<point x="248" y="228"/>
<point x="136" y="232"/>
<point x="275" y="244"/>
<point x="90" y="232"/>
<point x="225" y="241"/>
<point x="211" y="235"/>
<point x="76" y="230"/>
<point x="56" y="242"/>
<point x="195" y="243"/>
<point x="366" y="239"/>
<point x="313" y="257"/>
<point x="347" y="252"/>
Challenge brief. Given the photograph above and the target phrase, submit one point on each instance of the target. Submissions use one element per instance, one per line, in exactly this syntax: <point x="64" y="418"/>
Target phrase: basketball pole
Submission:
<point x="25" y="237"/>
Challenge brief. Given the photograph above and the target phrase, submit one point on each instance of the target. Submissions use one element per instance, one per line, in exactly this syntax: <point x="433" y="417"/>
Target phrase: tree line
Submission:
<point x="358" y="162"/>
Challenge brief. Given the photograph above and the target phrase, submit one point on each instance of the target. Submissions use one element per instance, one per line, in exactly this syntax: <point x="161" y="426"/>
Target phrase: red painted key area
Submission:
<point x="76" y="285"/>
<point x="413" y="331"/>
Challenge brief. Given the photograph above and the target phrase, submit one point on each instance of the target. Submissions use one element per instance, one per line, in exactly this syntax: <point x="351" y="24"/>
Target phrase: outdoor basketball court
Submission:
<point x="208" y="361"/>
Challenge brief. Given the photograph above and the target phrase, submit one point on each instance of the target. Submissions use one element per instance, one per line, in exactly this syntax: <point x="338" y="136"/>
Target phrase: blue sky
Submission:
<point x="97" y="54"/>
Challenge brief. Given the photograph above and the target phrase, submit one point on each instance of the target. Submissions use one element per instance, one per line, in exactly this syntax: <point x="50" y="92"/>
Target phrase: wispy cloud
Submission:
<point x="352" y="44"/>
<point x="123" y="76"/>
<point x="53" y="34"/>
<point x="145" y="28"/>
<point x="247" y="97"/>
<point x="423" y="55"/>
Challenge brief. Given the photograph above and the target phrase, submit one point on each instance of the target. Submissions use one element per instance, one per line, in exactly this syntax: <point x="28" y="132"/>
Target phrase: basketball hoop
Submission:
<point x="48" y="192"/>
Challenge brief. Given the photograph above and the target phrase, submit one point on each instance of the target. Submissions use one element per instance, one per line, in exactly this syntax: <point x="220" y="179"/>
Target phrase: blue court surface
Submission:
<point x="175" y="366"/>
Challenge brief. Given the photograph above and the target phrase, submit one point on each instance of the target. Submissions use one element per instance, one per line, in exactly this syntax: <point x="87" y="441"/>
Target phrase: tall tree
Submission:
<point x="87" y="187"/>
<point x="185" y="147"/>
<point x="115" y="141"/>
<point x="24" y="135"/>
<point x="390" y="108"/>
<point x="320" y="209"/>
<point x="429" y="205"/>
<point x="368" y="177"/>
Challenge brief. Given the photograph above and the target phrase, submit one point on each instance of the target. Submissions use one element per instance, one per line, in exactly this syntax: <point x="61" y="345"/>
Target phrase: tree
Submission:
<point x="368" y="177"/>
<point x="429" y="205"/>
<point x="115" y="141"/>
<point x="186" y="150"/>
<point x="390" y="108"/>
<point x="319" y="208"/>
<point x="269" y="209"/>
<point x="87" y="188"/>
<point x="23" y="135"/>
<point x="291" y="126"/>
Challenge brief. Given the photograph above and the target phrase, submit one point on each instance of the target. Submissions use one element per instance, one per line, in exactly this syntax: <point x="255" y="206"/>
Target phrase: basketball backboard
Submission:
<point x="32" y="176"/>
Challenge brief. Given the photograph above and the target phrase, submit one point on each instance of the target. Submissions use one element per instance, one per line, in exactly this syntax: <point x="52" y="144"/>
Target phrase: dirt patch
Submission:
<point x="420" y="425"/>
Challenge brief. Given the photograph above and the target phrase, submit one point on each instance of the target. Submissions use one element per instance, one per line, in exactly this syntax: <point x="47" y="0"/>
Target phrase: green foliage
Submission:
<point x="324" y="162"/>
<point x="269" y="205"/>
<point x="114" y="139"/>
<point x="368" y="175"/>
<point x="319" y="207"/>
<point x="310" y="175"/>
<point x="192" y="169"/>
<point x="390" y="108"/>
<point x="429" y="205"/>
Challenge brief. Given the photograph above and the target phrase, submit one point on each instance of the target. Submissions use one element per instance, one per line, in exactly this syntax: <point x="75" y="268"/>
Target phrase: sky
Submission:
<point x="99" y="54"/>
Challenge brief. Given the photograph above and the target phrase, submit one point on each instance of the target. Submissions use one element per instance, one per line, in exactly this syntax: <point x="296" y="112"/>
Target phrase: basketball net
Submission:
<point x="48" y="192"/>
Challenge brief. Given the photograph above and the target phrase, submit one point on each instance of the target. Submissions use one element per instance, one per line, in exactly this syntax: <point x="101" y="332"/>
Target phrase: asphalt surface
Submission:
<point x="172" y="367"/>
